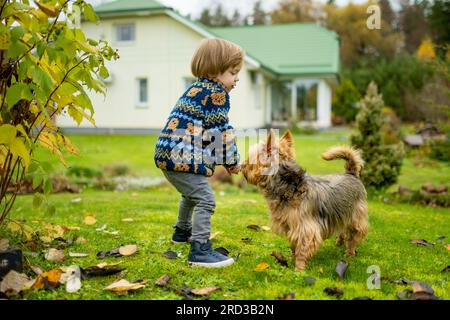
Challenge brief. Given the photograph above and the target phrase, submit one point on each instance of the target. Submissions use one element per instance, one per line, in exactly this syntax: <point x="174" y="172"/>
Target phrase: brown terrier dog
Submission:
<point x="309" y="209"/>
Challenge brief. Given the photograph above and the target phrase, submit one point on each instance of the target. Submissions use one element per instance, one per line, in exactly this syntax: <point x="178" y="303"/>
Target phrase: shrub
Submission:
<point x="345" y="101"/>
<point x="382" y="162"/>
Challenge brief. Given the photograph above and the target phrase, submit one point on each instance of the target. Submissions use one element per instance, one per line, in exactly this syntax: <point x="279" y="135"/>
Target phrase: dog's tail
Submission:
<point x="354" y="161"/>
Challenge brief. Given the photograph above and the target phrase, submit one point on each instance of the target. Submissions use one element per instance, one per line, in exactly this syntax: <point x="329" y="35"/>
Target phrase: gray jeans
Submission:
<point x="197" y="203"/>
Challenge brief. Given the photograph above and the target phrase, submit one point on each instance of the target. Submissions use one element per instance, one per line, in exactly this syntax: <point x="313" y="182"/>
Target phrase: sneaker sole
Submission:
<point x="220" y="264"/>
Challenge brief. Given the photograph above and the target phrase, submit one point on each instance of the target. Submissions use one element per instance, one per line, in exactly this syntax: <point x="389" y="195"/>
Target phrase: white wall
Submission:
<point x="323" y="104"/>
<point x="161" y="53"/>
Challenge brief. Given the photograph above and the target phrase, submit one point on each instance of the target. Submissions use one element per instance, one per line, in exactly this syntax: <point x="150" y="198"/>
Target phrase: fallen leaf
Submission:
<point x="45" y="239"/>
<point x="333" y="291"/>
<point x="127" y="220"/>
<point x="185" y="291"/>
<point x="20" y="228"/>
<point x="310" y="280"/>
<point x="422" y="242"/>
<point x="265" y="228"/>
<point x="404" y="294"/>
<point x="422" y="287"/>
<point x="205" y="291"/>
<point x="341" y="268"/>
<point x="89" y="219"/>
<point x="38" y="271"/>
<point x="170" y="254"/>
<point x="128" y="250"/>
<point x="78" y="255"/>
<point x="423" y="296"/>
<point x="254" y="227"/>
<point x="72" y="278"/>
<point x="80" y="240"/>
<point x="102" y="269"/>
<point x="261" y="267"/>
<point x="214" y="235"/>
<point x="4" y="244"/>
<point x="441" y="238"/>
<point x="54" y="255"/>
<point x="123" y="285"/>
<point x="280" y="258"/>
<point x="13" y="283"/>
<point x="48" y="280"/>
<point x="246" y="239"/>
<point x="223" y="251"/>
<point x="446" y="269"/>
<point x="162" y="281"/>
<point x="103" y="227"/>
<point x="71" y="228"/>
<point x="289" y="296"/>
<point x="362" y="298"/>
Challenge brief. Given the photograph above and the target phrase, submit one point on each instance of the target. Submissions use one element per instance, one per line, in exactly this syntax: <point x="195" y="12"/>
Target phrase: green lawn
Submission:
<point x="154" y="211"/>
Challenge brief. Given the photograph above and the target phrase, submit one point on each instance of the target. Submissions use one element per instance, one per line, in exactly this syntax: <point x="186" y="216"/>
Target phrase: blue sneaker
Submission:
<point x="181" y="236"/>
<point x="202" y="255"/>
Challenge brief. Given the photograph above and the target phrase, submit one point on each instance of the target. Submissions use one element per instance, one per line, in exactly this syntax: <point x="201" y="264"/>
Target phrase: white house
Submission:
<point x="286" y="78"/>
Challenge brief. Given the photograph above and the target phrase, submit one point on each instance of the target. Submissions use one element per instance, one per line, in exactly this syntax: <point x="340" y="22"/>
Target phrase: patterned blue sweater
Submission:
<point x="197" y="135"/>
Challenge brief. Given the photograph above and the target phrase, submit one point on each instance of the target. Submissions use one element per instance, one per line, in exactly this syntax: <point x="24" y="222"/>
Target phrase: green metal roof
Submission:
<point x="128" y="5"/>
<point x="288" y="49"/>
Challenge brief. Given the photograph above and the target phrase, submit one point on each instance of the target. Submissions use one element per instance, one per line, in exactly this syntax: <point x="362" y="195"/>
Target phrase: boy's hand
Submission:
<point x="234" y="169"/>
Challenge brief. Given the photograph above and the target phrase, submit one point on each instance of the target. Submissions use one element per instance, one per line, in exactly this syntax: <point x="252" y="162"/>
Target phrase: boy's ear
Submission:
<point x="271" y="142"/>
<point x="287" y="145"/>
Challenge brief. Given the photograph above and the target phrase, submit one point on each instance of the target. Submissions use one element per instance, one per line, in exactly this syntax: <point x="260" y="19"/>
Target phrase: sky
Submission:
<point x="194" y="7"/>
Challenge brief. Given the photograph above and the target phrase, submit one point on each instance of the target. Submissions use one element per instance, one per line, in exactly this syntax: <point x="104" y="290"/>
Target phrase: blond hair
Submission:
<point x="215" y="56"/>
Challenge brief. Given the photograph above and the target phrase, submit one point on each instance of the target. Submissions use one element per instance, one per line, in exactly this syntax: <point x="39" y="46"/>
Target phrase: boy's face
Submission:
<point x="230" y="78"/>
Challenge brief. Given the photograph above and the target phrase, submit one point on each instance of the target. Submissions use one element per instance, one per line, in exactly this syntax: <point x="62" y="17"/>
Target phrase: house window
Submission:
<point x="142" y="85"/>
<point x="125" y="32"/>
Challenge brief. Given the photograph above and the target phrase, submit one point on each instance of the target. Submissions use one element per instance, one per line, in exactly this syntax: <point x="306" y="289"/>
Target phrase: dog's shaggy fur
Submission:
<point x="310" y="209"/>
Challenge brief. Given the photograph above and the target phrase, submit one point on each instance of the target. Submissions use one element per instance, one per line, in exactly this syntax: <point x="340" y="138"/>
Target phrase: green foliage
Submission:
<point x="84" y="172"/>
<point x="396" y="77"/>
<point x="382" y="162"/>
<point x="345" y="100"/>
<point x="440" y="149"/>
<point x="47" y="67"/>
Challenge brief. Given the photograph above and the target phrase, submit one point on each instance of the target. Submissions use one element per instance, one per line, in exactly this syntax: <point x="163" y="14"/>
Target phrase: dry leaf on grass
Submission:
<point x="341" y="268"/>
<point x="4" y="244"/>
<point x="127" y="220"/>
<point x="205" y="291"/>
<point x="78" y="255"/>
<point x="254" y="227"/>
<point x="72" y="278"/>
<point x="280" y="258"/>
<point x="66" y="228"/>
<point x="422" y="242"/>
<point x="80" y="240"/>
<point x="48" y="280"/>
<point x="214" y="235"/>
<point x="170" y="254"/>
<point x="13" y="283"/>
<point x="261" y="267"/>
<point x="162" y="281"/>
<point x="128" y="250"/>
<point x="265" y="228"/>
<point x="19" y="228"/>
<point x="89" y="219"/>
<point x="123" y="286"/>
<point x="54" y="255"/>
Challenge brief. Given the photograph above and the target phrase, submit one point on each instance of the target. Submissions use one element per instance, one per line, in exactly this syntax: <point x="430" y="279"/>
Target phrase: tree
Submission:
<point x="382" y="163"/>
<point x="387" y="14"/>
<point x="236" y="19"/>
<point x="46" y="68"/>
<point x="439" y="21"/>
<point x="345" y="100"/>
<point x="205" y="17"/>
<point x="259" y="15"/>
<point x="356" y="40"/>
<point x="426" y="50"/>
<point x="219" y="18"/>
<point x="294" y="11"/>
<point x="413" y="23"/>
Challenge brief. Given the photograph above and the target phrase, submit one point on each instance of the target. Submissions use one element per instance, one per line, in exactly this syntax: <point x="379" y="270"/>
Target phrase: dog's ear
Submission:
<point x="287" y="145"/>
<point x="271" y="142"/>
